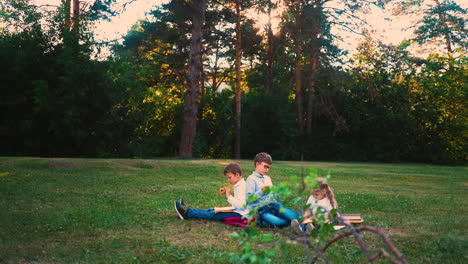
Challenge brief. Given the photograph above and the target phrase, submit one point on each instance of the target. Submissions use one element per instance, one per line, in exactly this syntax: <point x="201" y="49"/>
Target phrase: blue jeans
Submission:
<point x="209" y="214"/>
<point x="275" y="215"/>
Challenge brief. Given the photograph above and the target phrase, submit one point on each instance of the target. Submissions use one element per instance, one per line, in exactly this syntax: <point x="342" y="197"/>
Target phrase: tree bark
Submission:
<point x="76" y="14"/>
<point x="67" y="14"/>
<point x="446" y="31"/>
<point x="297" y="60"/>
<point x="314" y="52"/>
<point x="237" y="148"/>
<point x="312" y="81"/>
<point x="192" y="95"/>
<point x="269" y="75"/>
<point x="214" y="71"/>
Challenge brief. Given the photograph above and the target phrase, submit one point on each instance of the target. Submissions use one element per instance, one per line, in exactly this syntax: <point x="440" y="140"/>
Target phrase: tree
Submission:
<point x="192" y="95"/>
<point x="238" y="95"/>
<point x="314" y="12"/>
<point x="270" y="6"/>
<point x="440" y="20"/>
<point x="218" y="38"/>
<point x="64" y="96"/>
<point x="297" y="10"/>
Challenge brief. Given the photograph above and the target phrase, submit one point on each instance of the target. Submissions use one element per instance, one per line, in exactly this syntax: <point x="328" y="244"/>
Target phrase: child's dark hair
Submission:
<point x="329" y="192"/>
<point x="233" y="168"/>
<point x="263" y="157"/>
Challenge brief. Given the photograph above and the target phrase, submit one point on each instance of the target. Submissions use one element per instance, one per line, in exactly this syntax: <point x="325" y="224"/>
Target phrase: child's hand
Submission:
<point x="227" y="191"/>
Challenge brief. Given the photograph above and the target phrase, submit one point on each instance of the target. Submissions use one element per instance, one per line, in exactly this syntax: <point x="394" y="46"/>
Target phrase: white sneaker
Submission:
<point x="309" y="228"/>
<point x="296" y="226"/>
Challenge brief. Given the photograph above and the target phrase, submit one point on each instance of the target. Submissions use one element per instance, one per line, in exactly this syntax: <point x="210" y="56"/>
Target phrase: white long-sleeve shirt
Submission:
<point x="239" y="199"/>
<point x="314" y="204"/>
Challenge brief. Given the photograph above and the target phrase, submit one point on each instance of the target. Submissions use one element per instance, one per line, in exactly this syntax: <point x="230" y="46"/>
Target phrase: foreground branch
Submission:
<point x="356" y="232"/>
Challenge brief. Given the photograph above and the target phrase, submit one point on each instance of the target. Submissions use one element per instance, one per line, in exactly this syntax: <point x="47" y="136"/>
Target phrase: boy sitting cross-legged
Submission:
<point x="233" y="174"/>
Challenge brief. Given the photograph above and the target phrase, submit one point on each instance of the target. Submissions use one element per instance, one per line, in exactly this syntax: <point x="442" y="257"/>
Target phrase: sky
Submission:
<point x="121" y="24"/>
<point x="390" y="30"/>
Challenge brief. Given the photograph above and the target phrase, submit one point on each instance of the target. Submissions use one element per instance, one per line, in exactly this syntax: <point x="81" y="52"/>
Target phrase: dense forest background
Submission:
<point x="292" y="93"/>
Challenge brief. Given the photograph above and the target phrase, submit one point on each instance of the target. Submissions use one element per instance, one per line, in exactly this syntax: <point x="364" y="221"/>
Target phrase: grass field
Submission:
<point x="121" y="211"/>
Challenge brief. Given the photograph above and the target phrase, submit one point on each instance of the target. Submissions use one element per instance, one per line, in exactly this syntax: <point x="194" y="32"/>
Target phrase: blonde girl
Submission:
<point x="322" y="197"/>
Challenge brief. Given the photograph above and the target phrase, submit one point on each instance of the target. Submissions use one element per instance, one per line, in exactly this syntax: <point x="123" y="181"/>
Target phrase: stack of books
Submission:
<point x="352" y="218"/>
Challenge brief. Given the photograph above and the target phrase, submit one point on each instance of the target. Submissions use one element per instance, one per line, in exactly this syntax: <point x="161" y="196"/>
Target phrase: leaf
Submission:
<point x="235" y="235"/>
<point x="245" y="257"/>
<point x="291" y="16"/>
<point x="313" y="172"/>
<point x="252" y="232"/>
<point x="296" y="200"/>
<point x="268" y="237"/>
<point x="252" y="198"/>
<point x="294" y="179"/>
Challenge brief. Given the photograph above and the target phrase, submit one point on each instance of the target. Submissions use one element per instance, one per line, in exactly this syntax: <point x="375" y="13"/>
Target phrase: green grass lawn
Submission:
<point x="121" y="211"/>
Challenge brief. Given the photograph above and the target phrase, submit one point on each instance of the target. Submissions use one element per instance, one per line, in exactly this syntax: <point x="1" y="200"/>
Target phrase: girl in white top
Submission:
<point x="322" y="197"/>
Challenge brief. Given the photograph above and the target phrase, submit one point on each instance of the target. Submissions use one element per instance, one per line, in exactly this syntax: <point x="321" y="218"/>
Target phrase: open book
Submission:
<point x="226" y="209"/>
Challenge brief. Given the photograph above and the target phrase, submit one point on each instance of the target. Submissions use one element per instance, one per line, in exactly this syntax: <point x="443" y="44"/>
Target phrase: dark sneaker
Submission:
<point x="181" y="210"/>
<point x="296" y="226"/>
<point x="181" y="201"/>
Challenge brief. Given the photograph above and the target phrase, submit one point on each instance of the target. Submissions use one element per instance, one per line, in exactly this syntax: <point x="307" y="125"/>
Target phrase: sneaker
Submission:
<point x="182" y="202"/>
<point x="296" y="226"/>
<point x="309" y="228"/>
<point x="181" y="210"/>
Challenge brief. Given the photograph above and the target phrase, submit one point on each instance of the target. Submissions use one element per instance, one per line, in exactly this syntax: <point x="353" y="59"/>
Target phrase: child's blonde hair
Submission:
<point x="329" y="192"/>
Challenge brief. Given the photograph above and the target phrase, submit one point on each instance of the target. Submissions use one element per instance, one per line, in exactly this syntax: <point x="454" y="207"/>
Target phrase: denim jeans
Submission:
<point x="275" y="215"/>
<point x="209" y="214"/>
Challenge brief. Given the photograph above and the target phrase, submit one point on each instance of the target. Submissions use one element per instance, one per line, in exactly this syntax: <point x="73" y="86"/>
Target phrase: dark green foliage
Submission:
<point x="445" y="19"/>
<point x="58" y="101"/>
<point x="271" y="125"/>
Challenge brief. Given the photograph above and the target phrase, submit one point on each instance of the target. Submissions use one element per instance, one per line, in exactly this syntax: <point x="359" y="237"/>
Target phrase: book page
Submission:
<point x="223" y="209"/>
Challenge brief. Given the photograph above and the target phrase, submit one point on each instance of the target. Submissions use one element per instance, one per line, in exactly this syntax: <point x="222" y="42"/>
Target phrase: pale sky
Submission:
<point x="389" y="29"/>
<point x="122" y="23"/>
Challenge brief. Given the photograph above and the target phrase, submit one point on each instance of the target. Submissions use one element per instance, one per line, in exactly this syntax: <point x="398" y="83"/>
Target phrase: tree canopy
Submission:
<point x="297" y="98"/>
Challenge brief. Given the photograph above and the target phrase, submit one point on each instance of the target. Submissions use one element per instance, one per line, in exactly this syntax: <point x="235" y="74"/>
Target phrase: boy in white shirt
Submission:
<point x="233" y="174"/>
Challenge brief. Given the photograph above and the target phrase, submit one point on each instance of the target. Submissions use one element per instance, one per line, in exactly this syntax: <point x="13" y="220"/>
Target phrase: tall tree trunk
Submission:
<point x="202" y="77"/>
<point x="76" y="14"/>
<point x="446" y="30"/>
<point x="297" y="61"/>
<point x="313" y="70"/>
<point x="67" y="14"/>
<point x="192" y="95"/>
<point x="214" y="70"/>
<point x="237" y="148"/>
<point x="75" y="36"/>
<point x="312" y="81"/>
<point x="269" y="75"/>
